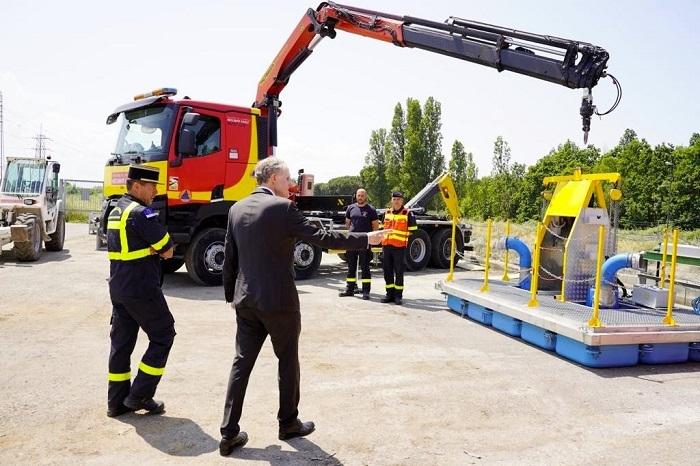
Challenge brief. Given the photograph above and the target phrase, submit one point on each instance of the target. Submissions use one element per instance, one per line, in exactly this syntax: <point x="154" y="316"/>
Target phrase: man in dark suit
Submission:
<point x="258" y="279"/>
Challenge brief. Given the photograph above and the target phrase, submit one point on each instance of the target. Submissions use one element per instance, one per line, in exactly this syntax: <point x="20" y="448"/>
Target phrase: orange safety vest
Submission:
<point x="399" y="223"/>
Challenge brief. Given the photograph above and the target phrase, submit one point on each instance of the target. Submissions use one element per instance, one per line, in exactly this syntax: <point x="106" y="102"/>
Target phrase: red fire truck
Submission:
<point x="206" y="151"/>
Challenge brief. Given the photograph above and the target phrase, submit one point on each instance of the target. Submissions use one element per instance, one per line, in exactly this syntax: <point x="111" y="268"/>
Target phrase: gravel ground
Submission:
<point x="386" y="385"/>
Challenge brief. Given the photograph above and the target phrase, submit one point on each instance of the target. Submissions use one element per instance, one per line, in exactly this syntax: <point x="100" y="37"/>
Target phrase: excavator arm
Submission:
<point x="574" y="64"/>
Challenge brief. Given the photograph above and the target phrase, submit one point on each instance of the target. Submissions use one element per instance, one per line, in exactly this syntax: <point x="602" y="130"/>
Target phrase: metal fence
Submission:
<point x="81" y="197"/>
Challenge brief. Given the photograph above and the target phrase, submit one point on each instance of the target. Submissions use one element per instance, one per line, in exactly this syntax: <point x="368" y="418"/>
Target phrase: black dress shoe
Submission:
<point x="386" y="299"/>
<point x="149" y="404"/>
<point x="297" y="429"/>
<point x="345" y="293"/>
<point x="228" y="444"/>
<point x="118" y="411"/>
<point x="398" y="301"/>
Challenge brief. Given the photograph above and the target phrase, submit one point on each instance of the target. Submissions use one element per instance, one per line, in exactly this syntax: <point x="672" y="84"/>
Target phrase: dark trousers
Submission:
<point x="153" y="316"/>
<point x="252" y="329"/>
<point x="394" y="265"/>
<point x="364" y="257"/>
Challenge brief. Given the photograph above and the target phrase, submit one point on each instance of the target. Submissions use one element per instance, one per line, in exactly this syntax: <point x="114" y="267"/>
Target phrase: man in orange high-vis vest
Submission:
<point x="402" y="222"/>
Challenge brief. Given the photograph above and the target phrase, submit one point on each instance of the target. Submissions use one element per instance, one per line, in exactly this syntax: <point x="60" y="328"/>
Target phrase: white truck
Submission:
<point x="31" y="210"/>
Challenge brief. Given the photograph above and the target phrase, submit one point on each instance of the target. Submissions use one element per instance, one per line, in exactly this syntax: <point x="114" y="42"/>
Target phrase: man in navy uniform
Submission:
<point x="360" y="217"/>
<point x="136" y="241"/>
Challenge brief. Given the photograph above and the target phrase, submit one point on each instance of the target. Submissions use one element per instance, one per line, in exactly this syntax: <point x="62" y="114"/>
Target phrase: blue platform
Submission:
<point x="597" y="356"/>
<point x="506" y="324"/>
<point x="628" y="336"/>
<point x="479" y="313"/>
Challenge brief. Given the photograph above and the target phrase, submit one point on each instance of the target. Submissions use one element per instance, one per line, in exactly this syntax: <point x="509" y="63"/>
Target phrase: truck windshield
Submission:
<point x="24" y="177"/>
<point x="144" y="134"/>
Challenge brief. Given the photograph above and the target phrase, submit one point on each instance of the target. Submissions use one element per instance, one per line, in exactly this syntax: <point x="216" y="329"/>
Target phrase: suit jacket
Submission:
<point x="259" y="265"/>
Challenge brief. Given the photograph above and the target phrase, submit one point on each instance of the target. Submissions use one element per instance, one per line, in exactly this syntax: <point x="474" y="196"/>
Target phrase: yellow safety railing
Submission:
<point x="594" y="321"/>
<point x="562" y="296"/>
<point x="505" y="277"/>
<point x="662" y="274"/>
<point x="487" y="260"/>
<point x="453" y="247"/>
<point x="534" y="281"/>
<point x="668" y="319"/>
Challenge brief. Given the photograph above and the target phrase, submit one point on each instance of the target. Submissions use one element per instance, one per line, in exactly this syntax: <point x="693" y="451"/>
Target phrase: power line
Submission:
<point x="41" y="148"/>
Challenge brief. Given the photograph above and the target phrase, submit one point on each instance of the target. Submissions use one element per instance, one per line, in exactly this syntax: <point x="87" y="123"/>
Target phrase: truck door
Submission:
<point x="241" y="154"/>
<point x="199" y="178"/>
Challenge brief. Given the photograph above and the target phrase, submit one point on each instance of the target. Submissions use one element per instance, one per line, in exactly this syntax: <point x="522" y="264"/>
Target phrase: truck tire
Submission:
<point x="442" y="244"/>
<point x="307" y="258"/>
<point x="58" y="236"/>
<point x="205" y="257"/>
<point x="171" y="265"/>
<point x="29" y="251"/>
<point x="100" y="241"/>
<point x="418" y="251"/>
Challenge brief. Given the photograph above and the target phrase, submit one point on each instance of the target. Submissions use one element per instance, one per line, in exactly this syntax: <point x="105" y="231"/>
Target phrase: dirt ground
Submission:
<point x="386" y="385"/>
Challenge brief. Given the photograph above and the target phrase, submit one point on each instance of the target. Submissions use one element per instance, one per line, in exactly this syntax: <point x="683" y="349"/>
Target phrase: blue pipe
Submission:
<point x="515" y="244"/>
<point x="613" y="265"/>
<point x="608" y="285"/>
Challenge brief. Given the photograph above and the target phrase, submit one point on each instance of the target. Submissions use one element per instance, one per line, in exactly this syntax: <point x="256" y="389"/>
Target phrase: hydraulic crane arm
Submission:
<point x="574" y="64"/>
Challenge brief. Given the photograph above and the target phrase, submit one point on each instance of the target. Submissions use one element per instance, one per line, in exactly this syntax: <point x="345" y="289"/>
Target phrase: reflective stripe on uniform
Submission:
<point x="398" y="287"/>
<point x="351" y="280"/>
<point x="125" y="254"/>
<point x="120" y="377"/>
<point x="366" y="280"/>
<point x="390" y="286"/>
<point x="162" y="242"/>
<point x="150" y="370"/>
<point x="412" y="228"/>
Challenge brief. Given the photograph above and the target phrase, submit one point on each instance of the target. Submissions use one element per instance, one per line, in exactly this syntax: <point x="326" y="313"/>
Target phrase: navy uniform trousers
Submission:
<point x="364" y="257"/>
<point x="394" y="265"/>
<point x="128" y="315"/>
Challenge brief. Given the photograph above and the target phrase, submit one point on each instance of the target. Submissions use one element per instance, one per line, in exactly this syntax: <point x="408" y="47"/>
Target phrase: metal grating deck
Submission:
<point x="620" y="326"/>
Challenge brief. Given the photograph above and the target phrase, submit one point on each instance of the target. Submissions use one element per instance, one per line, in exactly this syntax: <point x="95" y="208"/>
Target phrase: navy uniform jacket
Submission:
<point x="259" y="259"/>
<point x="135" y="269"/>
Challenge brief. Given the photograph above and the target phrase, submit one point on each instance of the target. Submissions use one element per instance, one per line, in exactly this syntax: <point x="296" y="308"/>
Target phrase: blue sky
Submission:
<point x="66" y="65"/>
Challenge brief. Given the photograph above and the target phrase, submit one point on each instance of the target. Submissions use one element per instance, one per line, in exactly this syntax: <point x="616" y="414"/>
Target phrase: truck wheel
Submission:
<point x="100" y="241"/>
<point x="58" y="236"/>
<point x="171" y="265"/>
<point x="29" y="251"/>
<point x="418" y="251"/>
<point x="442" y="244"/>
<point x="307" y="258"/>
<point x="205" y="257"/>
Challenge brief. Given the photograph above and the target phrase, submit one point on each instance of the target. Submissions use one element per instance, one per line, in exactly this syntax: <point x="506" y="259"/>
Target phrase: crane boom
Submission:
<point x="570" y="63"/>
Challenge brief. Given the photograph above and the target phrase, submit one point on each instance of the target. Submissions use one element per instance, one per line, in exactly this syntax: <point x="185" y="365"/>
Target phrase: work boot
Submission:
<point x="398" y="301"/>
<point x="347" y="292"/>
<point x="118" y="410"/>
<point x="228" y="444"/>
<point x="365" y="296"/>
<point x="296" y="429"/>
<point x="387" y="299"/>
<point x="149" y="404"/>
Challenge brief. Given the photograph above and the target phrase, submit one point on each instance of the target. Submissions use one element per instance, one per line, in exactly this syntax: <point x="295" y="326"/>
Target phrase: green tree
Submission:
<point x="432" y="127"/>
<point x="397" y="145"/>
<point x="341" y="185"/>
<point x="414" y="172"/>
<point x="374" y="173"/>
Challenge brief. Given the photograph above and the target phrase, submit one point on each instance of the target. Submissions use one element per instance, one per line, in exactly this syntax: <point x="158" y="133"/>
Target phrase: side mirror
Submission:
<point x="186" y="144"/>
<point x="190" y="119"/>
<point x="56" y="167"/>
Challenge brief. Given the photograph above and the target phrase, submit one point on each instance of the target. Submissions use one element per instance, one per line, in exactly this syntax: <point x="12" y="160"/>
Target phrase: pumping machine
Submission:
<point x="568" y="297"/>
